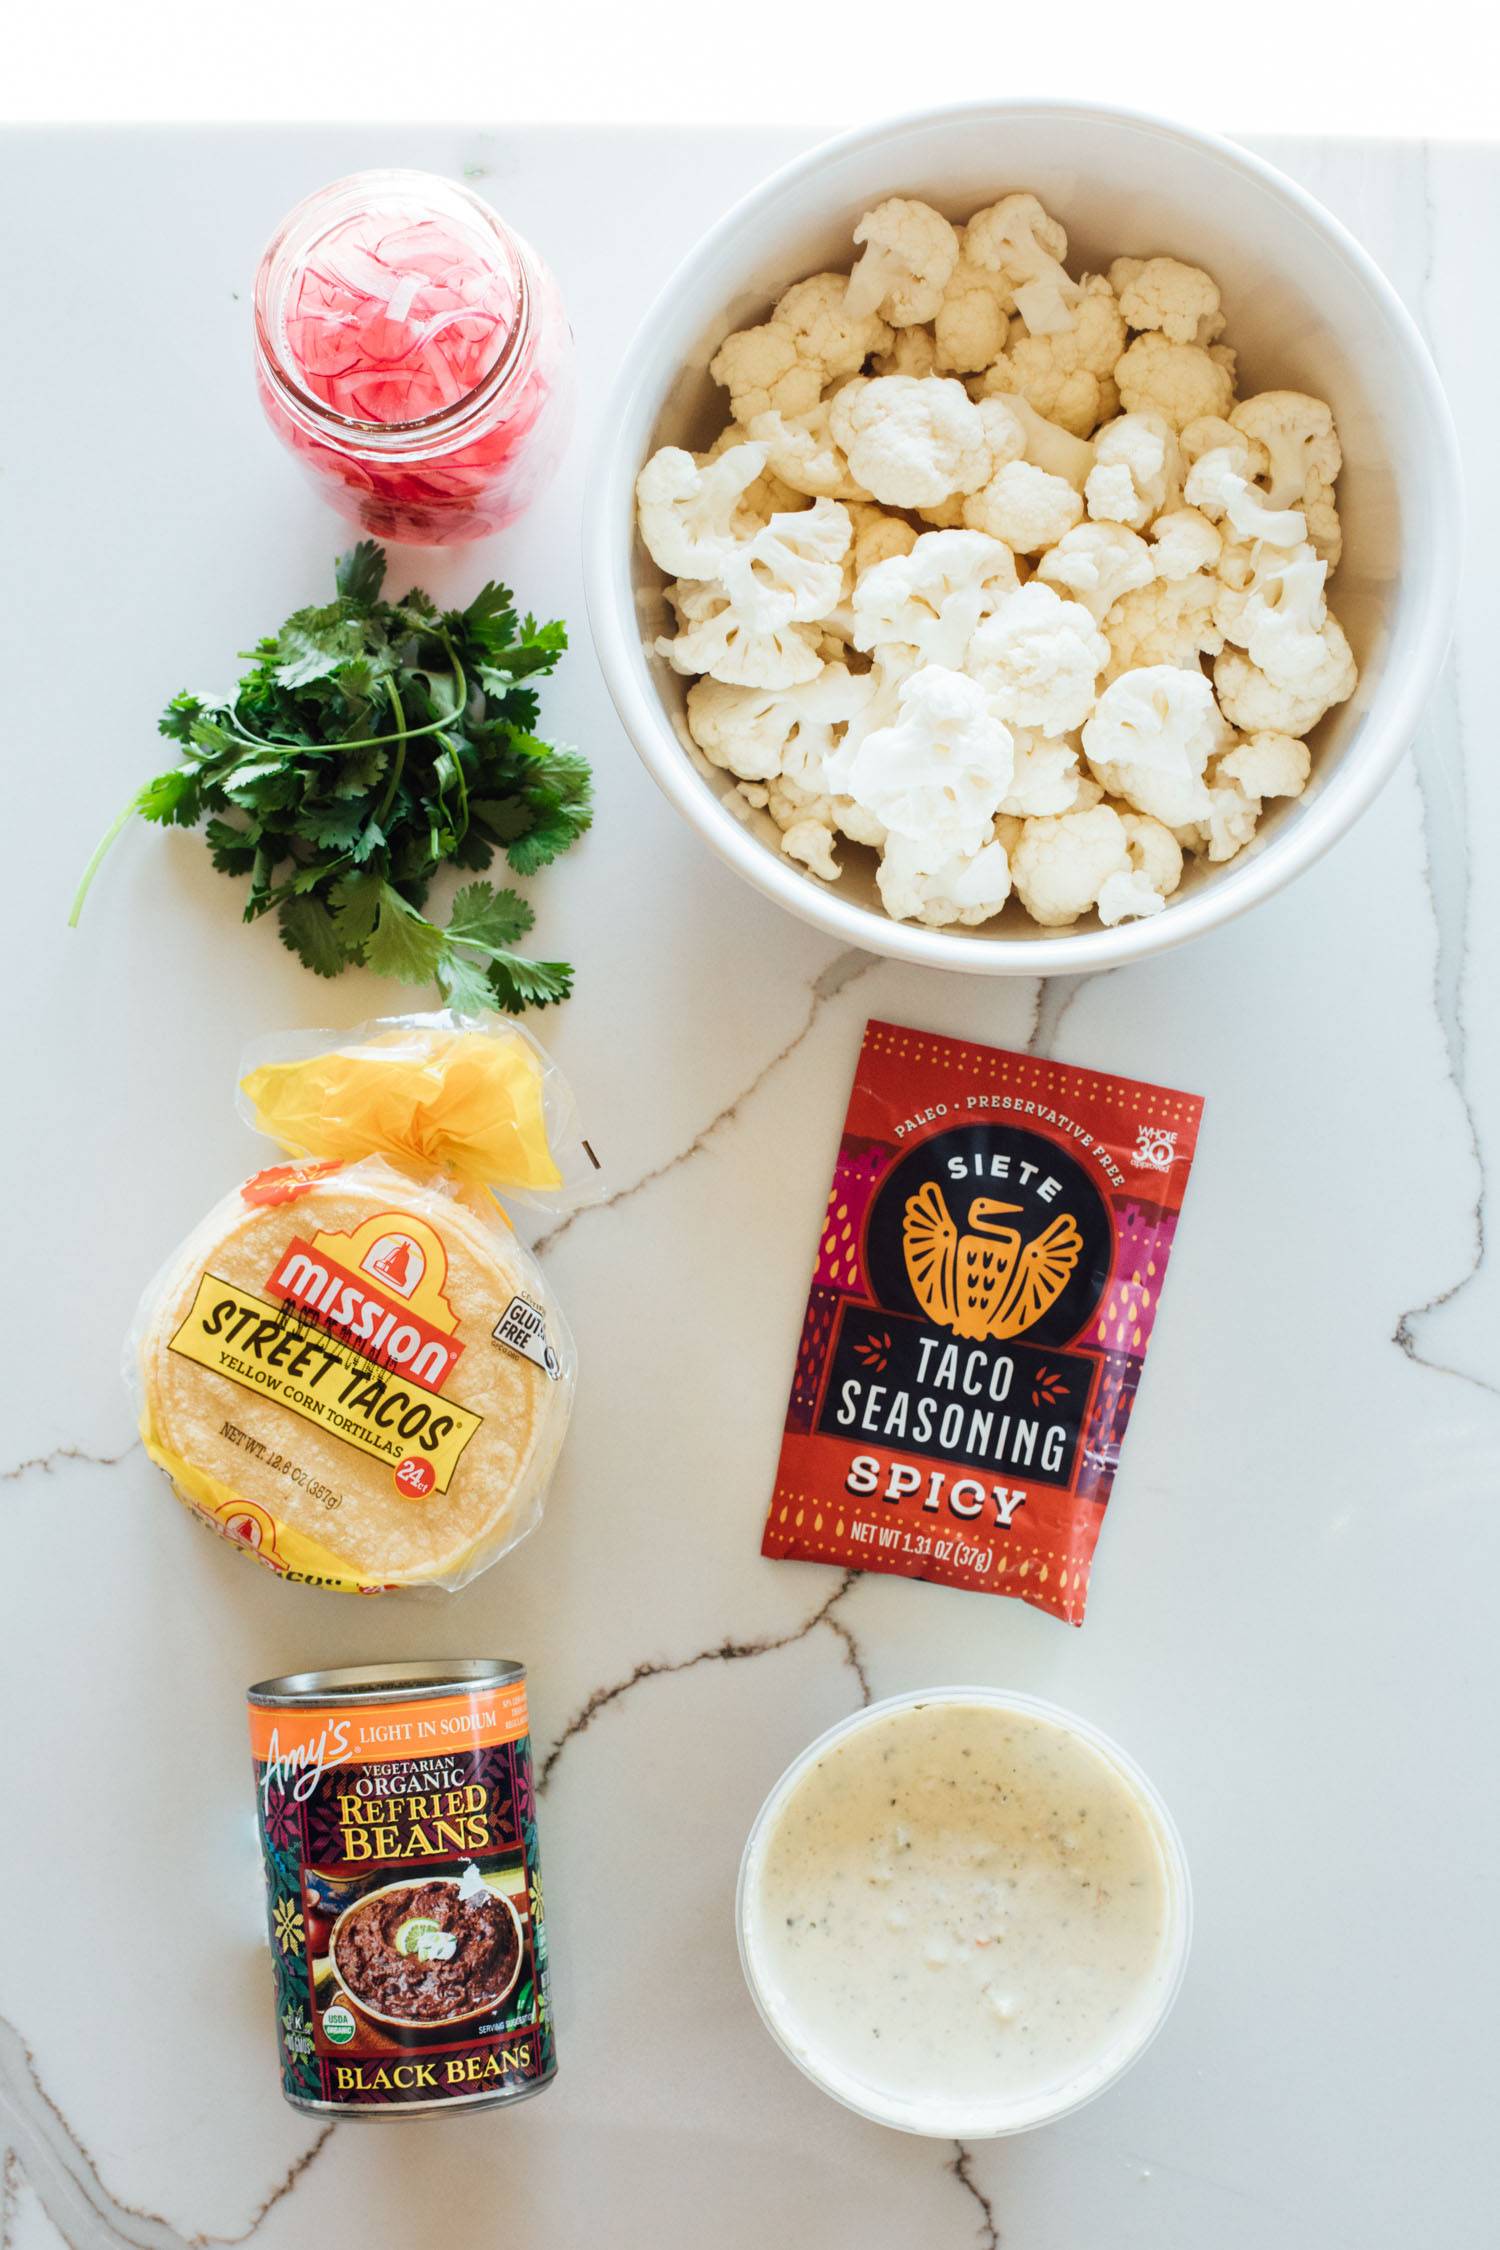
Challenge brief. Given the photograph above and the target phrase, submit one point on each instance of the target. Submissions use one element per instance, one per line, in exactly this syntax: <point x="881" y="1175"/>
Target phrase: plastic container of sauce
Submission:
<point x="414" y="354"/>
<point x="963" y="1912"/>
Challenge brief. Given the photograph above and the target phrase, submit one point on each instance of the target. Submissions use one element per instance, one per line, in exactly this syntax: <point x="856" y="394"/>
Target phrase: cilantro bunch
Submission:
<point x="371" y="743"/>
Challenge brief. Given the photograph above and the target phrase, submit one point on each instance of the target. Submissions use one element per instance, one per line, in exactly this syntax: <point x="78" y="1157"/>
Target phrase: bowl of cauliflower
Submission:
<point x="1026" y="536"/>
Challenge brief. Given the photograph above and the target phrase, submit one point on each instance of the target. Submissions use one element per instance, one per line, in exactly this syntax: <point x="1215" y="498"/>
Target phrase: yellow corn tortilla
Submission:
<point x="305" y="1499"/>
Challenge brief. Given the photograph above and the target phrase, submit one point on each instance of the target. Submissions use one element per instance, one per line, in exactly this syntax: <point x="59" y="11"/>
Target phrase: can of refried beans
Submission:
<point x="403" y="1890"/>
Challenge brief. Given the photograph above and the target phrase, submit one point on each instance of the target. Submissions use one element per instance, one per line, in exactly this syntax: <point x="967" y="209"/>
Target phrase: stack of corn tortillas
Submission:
<point x="328" y="1494"/>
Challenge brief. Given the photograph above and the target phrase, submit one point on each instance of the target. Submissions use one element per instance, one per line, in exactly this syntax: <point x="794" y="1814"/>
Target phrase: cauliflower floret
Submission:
<point x="1060" y="865"/>
<point x="877" y="537"/>
<point x="1046" y="777"/>
<point x="1067" y="376"/>
<point x="686" y="510"/>
<point x="1137" y="470"/>
<point x="1038" y="658"/>
<point x="936" y="775"/>
<point x="910" y="252"/>
<point x="1239" y="781"/>
<point x="802" y="450"/>
<point x="1278" y="618"/>
<point x="1182" y="301"/>
<point x="805" y="819"/>
<point x="1183" y="542"/>
<point x="931" y="600"/>
<point x="910" y="442"/>
<point x="811" y="843"/>
<point x="793" y="568"/>
<point x="828" y="336"/>
<point x="1155" y="872"/>
<point x="968" y="890"/>
<point x="762" y="499"/>
<point x="1016" y="240"/>
<point x="1171" y="621"/>
<point x="1096" y="564"/>
<point x="972" y="324"/>
<point x="1151" y="736"/>
<point x="913" y="352"/>
<point x="1304" y="458"/>
<point x="1268" y="765"/>
<point x="1218" y="483"/>
<point x="1228" y="824"/>
<point x="785" y="364"/>
<point x="1257" y="705"/>
<point x="1181" y="381"/>
<point x="712" y="637"/>
<point x="1025" y="507"/>
<point x="759" y="734"/>
<point x="762" y="373"/>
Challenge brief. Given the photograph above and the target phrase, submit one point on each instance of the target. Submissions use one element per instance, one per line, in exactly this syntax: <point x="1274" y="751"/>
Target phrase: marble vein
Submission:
<point x="1055" y="997"/>
<point x="962" y="2168"/>
<point x="45" y="1463"/>
<point x="723" y="1652"/>
<point x="65" y="2177"/>
<point x="1442" y="787"/>
<point x="842" y="970"/>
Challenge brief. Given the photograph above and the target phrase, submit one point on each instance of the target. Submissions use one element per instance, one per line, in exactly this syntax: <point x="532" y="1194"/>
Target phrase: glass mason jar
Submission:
<point x="415" y="356"/>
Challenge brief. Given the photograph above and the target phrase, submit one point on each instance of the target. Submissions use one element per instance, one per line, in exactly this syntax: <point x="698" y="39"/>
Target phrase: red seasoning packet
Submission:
<point x="987" y="1281"/>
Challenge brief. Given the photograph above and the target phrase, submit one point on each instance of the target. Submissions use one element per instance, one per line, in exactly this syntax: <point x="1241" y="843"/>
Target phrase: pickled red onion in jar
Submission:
<point x="415" y="356"/>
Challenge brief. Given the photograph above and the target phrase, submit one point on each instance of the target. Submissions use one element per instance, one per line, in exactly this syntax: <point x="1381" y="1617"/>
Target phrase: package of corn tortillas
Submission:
<point x="353" y="1368"/>
<point x="987" y="1282"/>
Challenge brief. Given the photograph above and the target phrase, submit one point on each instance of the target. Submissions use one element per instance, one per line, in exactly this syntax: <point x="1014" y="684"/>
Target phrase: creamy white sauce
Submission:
<point x="959" y="1908"/>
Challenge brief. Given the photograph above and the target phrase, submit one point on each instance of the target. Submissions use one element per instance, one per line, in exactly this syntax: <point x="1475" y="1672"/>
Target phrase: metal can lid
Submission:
<point x="389" y="1683"/>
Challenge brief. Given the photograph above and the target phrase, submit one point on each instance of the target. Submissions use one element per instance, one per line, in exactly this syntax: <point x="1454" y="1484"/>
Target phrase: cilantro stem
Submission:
<point x="368" y="741"/>
<point x="110" y="833"/>
<point x="393" y="779"/>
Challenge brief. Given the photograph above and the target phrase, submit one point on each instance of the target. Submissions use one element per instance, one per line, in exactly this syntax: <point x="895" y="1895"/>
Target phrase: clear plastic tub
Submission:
<point x="970" y="2118"/>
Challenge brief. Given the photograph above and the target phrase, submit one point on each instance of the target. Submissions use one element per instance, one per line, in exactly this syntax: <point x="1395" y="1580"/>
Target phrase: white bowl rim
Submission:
<point x="1176" y="1944"/>
<point x="1386" y="730"/>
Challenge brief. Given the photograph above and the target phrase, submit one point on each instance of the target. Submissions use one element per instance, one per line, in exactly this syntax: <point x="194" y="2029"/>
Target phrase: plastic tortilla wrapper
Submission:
<point x="353" y="1368"/>
<point x="988" y="1277"/>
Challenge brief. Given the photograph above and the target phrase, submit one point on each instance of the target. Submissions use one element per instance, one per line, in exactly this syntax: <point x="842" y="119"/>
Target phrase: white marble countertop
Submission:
<point x="1292" y="1616"/>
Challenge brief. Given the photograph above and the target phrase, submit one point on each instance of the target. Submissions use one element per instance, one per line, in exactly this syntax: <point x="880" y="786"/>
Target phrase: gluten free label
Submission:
<point x="264" y="1348"/>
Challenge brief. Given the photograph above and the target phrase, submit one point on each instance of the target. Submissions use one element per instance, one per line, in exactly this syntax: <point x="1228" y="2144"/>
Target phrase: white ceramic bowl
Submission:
<point x="1308" y="310"/>
<point x="965" y="2119"/>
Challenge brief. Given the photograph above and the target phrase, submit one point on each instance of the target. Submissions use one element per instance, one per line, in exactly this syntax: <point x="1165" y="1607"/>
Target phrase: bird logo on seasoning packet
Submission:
<point x="986" y="1287"/>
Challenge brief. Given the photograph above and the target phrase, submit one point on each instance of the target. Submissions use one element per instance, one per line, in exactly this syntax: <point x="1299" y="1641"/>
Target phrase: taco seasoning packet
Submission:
<point x="987" y="1281"/>
<point x="352" y="1367"/>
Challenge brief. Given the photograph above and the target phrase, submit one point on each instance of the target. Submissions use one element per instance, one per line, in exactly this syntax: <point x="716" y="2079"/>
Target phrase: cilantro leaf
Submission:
<point x="464" y="984"/>
<point x="172" y="798"/>
<point x="481" y="915"/>
<point x="403" y="943"/>
<point x="549" y="835"/>
<point x="518" y="983"/>
<point x="360" y="574"/>
<point x="315" y="642"/>
<point x="334" y="826"/>
<point x="309" y="931"/>
<point x="355" y="904"/>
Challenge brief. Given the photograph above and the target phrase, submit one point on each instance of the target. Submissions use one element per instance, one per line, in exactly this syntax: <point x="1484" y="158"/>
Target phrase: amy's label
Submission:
<point x="986" y="1286"/>
<point x="404" y="1899"/>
